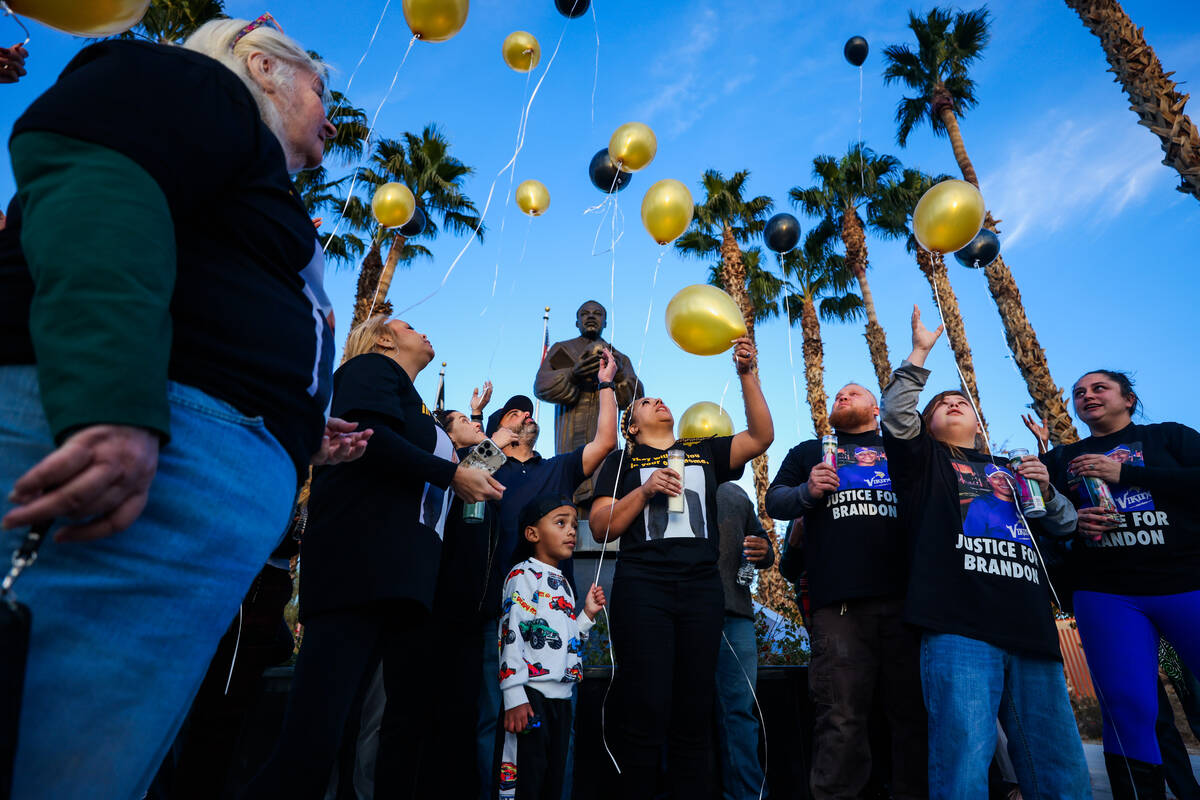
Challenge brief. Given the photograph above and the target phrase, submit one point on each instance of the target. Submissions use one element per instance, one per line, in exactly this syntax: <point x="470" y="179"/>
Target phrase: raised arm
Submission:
<point x="760" y="430"/>
<point x="898" y="413"/>
<point x="605" y="439"/>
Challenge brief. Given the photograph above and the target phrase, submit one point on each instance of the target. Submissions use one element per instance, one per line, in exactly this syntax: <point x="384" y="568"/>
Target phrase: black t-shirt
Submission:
<point x="659" y="543"/>
<point x="853" y="542"/>
<point x="1156" y="549"/>
<point x="375" y="525"/>
<point x="247" y="326"/>
<point x="974" y="569"/>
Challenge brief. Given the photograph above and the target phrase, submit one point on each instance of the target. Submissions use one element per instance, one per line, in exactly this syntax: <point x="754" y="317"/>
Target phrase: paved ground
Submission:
<point x="1095" y="759"/>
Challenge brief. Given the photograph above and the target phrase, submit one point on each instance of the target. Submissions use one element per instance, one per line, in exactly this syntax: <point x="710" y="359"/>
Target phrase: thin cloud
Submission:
<point x="1066" y="173"/>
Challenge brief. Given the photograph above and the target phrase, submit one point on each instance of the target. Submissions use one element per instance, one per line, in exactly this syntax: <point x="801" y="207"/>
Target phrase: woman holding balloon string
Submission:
<point x="668" y="602"/>
<point x="980" y="596"/>
<point x="1135" y="565"/>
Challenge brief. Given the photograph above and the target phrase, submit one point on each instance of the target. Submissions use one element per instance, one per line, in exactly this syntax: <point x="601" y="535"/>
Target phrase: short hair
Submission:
<point x="874" y="399"/>
<point x="364" y="335"/>
<point x="218" y="39"/>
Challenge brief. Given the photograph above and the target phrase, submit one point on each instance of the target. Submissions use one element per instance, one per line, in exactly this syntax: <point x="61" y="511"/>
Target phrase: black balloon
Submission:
<point x="572" y="8"/>
<point x="782" y="233"/>
<point x="415" y="226"/>
<point x="980" y="251"/>
<point x="856" y="50"/>
<point x="603" y="172"/>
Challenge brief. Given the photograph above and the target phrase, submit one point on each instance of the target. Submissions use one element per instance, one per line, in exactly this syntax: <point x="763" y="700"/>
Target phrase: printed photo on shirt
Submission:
<point x="862" y="467"/>
<point x="1130" y="498"/>
<point x="988" y="502"/>
<point x="661" y="523"/>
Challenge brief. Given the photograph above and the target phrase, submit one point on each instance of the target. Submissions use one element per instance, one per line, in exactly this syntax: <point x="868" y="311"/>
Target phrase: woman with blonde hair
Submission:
<point x="165" y="364"/>
<point x="369" y="568"/>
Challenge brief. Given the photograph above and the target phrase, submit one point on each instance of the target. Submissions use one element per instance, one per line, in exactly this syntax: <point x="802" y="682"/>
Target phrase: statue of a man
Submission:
<point x="567" y="378"/>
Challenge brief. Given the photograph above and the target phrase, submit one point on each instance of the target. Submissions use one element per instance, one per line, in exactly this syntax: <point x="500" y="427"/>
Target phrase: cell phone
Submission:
<point x="485" y="456"/>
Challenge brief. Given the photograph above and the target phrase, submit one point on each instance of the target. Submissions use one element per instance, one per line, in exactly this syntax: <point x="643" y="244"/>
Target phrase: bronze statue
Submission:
<point x="567" y="378"/>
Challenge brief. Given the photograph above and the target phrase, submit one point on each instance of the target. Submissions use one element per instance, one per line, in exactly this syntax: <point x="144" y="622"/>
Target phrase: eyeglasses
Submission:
<point x="264" y="20"/>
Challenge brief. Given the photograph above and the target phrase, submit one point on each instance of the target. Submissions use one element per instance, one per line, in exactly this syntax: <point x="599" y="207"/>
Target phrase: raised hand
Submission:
<point x="608" y="367"/>
<point x="12" y="63"/>
<point x="1040" y="432"/>
<point x="923" y="339"/>
<point x="479" y="403"/>
<point x="745" y="355"/>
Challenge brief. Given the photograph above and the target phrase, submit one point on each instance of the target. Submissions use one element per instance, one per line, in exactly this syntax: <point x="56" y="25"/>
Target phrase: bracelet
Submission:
<point x="477" y="417"/>
<point x="606" y="385"/>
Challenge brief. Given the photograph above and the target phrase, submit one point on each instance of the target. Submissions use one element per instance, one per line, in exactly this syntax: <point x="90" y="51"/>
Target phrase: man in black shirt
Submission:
<point x="856" y="565"/>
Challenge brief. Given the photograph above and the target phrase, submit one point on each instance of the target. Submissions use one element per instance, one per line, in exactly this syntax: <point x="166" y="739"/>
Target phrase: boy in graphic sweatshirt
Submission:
<point x="540" y="662"/>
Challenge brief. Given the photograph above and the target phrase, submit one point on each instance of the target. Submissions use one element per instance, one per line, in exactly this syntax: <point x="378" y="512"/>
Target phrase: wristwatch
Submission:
<point x="606" y="385"/>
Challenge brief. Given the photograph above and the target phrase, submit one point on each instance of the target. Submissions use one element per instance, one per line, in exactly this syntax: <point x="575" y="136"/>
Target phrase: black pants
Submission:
<point x="666" y="634"/>
<point x="540" y="767"/>
<point x="853" y="653"/>
<point x="1176" y="763"/>
<point x="339" y="654"/>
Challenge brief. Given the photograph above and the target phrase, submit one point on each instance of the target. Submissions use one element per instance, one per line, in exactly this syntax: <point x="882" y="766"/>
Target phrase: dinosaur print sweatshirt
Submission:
<point x="540" y="634"/>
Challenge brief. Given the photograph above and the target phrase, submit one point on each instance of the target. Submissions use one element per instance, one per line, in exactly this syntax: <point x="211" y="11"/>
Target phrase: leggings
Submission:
<point x="666" y="634"/>
<point x="1120" y="637"/>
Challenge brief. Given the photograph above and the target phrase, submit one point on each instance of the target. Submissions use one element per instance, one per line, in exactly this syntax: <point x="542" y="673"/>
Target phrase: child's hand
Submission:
<point x="594" y="602"/>
<point x="517" y="719"/>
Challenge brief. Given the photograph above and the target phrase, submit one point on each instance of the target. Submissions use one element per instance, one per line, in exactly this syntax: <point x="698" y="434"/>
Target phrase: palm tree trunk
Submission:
<point x="934" y="269"/>
<point x="856" y="259"/>
<point x="1152" y="94"/>
<point x="814" y="367"/>
<point x="1018" y="332"/>
<point x="389" y="268"/>
<point x="733" y="277"/>
<point x="368" y="279"/>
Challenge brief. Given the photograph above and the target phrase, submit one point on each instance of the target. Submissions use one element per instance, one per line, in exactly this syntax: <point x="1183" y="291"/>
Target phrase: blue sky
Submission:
<point x="1100" y="243"/>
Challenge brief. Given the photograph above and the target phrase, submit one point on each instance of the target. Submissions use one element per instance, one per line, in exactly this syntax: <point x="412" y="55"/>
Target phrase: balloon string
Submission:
<point x="791" y="361"/>
<point x="766" y="751"/>
<point x="510" y="165"/>
<point x="610" y="194"/>
<point x="525" y="241"/>
<point x="861" y="177"/>
<point x="508" y="197"/>
<point x="10" y="13"/>
<point x="367" y="145"/>
<point x="596" y="74"/>
<point x="362" y="58"/>
<point x="724" y="392"/>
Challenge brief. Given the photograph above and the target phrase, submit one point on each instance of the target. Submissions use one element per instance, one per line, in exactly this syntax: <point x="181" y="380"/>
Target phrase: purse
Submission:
<point x="15" y="619"/>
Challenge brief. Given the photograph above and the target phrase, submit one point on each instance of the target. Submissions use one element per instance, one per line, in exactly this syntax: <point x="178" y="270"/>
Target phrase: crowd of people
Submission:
<point x="161" y="406"/>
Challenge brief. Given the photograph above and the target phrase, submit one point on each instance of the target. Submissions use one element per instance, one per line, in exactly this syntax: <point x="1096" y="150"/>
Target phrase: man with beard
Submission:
<point x="527" y="475"/>
<point x="568" y="378"/>
<point x="856" y="566"/>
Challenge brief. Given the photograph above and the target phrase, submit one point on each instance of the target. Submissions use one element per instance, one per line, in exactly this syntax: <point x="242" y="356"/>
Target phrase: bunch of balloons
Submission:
<point x="705" y="419"/>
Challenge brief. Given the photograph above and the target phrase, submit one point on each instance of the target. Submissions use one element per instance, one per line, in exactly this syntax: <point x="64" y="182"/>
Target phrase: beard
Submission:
<point x="851" y="417"/>
<point x="529" y="432"/>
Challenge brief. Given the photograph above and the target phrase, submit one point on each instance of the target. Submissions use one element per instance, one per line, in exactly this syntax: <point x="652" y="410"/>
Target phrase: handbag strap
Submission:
<point x="24" y="556"/>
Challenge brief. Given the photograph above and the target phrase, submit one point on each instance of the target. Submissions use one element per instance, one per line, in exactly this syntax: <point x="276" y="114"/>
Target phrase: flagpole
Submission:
<point x="440" y="403"/>
<point x="537" y="409"/>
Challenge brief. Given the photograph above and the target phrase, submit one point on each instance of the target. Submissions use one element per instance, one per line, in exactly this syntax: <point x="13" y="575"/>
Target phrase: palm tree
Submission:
<point x="1152" y="94"/>
<point x="889" y="216"/>
<point x="172" y="21"/>
<point x="720" y="226"/>
<point x="844" y="186"/>
<point x="820" y="287"/>
<point x="422" y="163"/>
<point x="937" y="72"/>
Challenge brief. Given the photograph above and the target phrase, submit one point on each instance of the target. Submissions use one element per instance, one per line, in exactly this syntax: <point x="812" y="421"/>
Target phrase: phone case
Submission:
<point x="486" y="456"/>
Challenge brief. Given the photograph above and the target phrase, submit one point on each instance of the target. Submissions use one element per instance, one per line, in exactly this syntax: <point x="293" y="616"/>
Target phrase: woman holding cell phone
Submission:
<point x="1135" y="563"/>
<point x="668" y="603"/>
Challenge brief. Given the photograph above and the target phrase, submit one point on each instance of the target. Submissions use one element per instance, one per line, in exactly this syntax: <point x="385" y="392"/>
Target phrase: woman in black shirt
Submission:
<point x="1136" y="572"/>
<point x="369" y="566"/>
<point x="979" y="593"/>
<point x="668" y="603"/>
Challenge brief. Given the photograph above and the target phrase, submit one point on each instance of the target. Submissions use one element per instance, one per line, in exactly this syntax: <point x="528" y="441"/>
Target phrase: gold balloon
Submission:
<point x="632" y="146"/>
<point x="703" y="320"/>
<point x="393" y="205"/>
<point x="705" y="419"/>
<point x="948" y="216"/>
<point x="84" y="18"/>
<point x="533" y="197"/>
<point x="521" y="51"/>
<point x="667" y="210"/>
<point x="435" y="20"/>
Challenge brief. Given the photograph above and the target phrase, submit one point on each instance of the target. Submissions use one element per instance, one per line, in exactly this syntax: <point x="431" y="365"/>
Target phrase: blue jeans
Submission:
<point x="124" y="627"/>
<point x="737" y="727"/>
<point x="968" y="684"/>
<point x="489" y="708"/>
